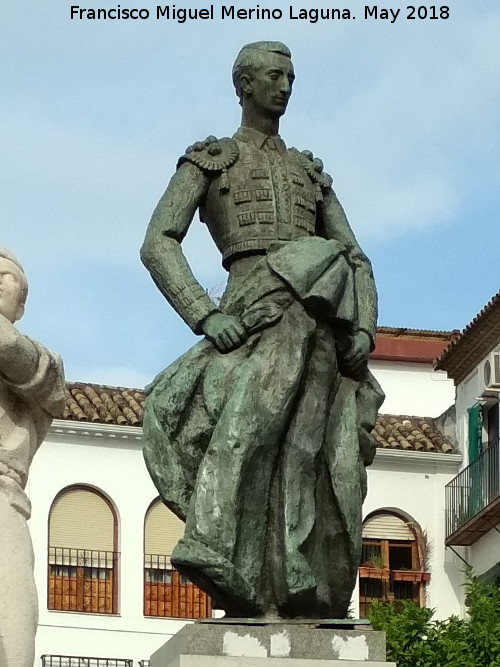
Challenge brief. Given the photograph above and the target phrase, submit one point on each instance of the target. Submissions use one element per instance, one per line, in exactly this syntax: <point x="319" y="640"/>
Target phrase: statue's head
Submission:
<point x="13" y="286"/>
<point x="263" y="77"/>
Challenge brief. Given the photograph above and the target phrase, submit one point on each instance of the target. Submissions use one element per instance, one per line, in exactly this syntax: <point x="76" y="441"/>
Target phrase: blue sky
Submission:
<point x="94" y="114"/>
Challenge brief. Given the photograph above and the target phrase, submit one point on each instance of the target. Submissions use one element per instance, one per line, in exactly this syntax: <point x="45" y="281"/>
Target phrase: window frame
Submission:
<point x="83" y="581"/>
<point x="392" y="578"/>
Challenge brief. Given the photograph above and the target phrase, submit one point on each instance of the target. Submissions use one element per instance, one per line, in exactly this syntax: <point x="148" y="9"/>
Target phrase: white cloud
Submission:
<point x="378" y="101"/>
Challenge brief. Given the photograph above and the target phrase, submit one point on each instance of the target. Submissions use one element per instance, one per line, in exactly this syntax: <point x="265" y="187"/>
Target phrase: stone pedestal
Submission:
<point x="254" y="643"/>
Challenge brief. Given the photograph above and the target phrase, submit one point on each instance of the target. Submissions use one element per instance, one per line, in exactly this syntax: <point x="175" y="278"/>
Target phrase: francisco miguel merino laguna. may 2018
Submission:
<point x="181" y="14"/>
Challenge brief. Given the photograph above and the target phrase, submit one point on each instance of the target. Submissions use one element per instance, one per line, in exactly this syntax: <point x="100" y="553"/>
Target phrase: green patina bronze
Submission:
<point x="258" y="436"/>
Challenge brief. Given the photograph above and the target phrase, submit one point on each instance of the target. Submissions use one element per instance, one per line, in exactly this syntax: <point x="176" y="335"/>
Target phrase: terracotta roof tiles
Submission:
<point x="104" y="405"/>
<point x="100" y="404"/>
<point x="417" y="334"/>
<point x="478" y="338"/>
<point x="417" y="434"/>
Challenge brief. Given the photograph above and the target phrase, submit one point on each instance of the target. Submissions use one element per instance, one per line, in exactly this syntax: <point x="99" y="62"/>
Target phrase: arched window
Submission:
<point x="82" y="554"/>
<point x="392" y="561"/>
<point x="166" y="592"/>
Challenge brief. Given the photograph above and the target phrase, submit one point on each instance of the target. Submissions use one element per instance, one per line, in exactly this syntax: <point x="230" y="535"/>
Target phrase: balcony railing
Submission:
<point x="473" y="498"/>
<point x="75" y="661"/>
<point x="82" y="580"/>
<point x="168" y="593"/>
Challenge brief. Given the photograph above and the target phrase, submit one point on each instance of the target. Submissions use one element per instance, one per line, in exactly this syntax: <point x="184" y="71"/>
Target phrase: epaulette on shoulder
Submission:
<point x="314" y="168"/>
<point x="213" y="155"/>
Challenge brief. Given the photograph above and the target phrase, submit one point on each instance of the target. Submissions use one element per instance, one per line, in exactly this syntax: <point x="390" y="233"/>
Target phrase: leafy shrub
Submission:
<point x="415" y="640"/>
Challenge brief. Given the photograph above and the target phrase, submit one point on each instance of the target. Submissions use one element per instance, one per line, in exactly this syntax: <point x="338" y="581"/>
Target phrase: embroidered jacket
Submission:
<point x="251" y="191"/>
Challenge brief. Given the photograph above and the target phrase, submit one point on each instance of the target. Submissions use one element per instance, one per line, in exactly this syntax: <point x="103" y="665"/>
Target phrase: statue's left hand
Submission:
<point x="355" y="359"/>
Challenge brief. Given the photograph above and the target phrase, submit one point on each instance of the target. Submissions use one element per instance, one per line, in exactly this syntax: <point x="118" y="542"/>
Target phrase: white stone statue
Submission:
<point x="31" y="394"/>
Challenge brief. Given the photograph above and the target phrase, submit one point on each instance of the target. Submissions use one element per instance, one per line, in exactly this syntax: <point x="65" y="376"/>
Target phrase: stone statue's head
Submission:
<point x="263" y="76"/>
<point x="13" y="286"/>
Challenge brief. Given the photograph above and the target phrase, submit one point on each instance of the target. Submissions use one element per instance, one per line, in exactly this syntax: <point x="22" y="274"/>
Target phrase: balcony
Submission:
<point x="82" y="580"/>
<point x="169" y="594"/>
<point x="472" y="499"/>
<point x="78" y="661"/>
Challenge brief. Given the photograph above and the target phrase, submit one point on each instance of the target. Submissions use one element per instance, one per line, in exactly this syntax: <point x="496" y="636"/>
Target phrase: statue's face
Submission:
<point x="12" y="284"/>
<point x="270" y="86"/>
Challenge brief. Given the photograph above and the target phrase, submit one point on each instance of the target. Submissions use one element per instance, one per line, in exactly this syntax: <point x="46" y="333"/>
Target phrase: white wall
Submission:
<point x="485" y="553"/>
<point x="412" y="484"/>
<point x="413" y="389"/>
<point x="115" y="466"/>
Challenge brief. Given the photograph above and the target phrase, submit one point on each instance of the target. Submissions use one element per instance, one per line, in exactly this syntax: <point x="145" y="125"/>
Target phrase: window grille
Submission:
<point x="78" y="661"/>
<point x="169" y="594"/>
<point x="144" y="663"/>
<point x="82" y="580"/>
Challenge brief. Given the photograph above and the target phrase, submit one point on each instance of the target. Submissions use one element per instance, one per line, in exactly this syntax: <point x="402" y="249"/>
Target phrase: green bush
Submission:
<point x="415" y="640"/>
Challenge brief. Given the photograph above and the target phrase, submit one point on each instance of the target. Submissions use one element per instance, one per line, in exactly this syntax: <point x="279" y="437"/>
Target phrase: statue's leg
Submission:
<point x="18" y="598"/>
<point x="225" y="538"/>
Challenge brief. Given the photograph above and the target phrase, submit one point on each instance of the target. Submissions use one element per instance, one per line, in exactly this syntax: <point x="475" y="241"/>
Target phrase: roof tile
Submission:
<point x="125" y="407"/>
<point x="478" y="338"/>
<point x="417" y="334"/>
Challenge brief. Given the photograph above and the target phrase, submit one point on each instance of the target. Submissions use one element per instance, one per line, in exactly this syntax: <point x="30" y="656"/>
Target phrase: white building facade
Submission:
<point x="473" y="496"/>
<point x="106" y="589"/>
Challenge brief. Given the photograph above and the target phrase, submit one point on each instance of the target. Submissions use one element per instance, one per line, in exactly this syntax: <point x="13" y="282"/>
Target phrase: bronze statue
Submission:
<point x="258" y="436"/>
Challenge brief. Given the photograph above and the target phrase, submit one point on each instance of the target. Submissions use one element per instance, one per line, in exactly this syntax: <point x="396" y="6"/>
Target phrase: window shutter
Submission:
<point x="162" y="532"/>
<point x="475" y="432"/>
<point x="387" y="527"/>
<point x="81" y="520"/>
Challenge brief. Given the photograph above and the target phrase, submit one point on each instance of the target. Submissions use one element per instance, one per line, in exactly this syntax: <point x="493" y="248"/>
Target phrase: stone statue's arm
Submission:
<point x="336" y="226"/>
<point x="18" y="354"/>
<point x="161" y="251"/>
<point x="32" y="372"/>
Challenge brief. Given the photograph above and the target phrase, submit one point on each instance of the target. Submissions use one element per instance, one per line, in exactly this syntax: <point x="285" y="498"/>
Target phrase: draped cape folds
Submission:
<point x="262" y="451"/>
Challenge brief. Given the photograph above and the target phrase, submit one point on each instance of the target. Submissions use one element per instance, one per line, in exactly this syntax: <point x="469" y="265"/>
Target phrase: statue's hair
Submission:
<point x="6" y="254"/>
<point x="245" y="60"/>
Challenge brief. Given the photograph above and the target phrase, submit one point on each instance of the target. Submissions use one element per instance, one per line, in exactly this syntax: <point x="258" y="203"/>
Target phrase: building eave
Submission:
<point x="476" y="341"/>
<point x="441" y="460"/>
<point x="64" y="427"/>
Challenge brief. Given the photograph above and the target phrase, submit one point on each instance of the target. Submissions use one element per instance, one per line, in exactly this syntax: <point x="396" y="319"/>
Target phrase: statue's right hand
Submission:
<point x="225" y="331"/>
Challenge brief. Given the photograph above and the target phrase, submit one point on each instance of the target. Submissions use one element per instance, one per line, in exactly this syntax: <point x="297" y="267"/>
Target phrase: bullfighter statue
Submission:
<point x="259" y="435"/>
